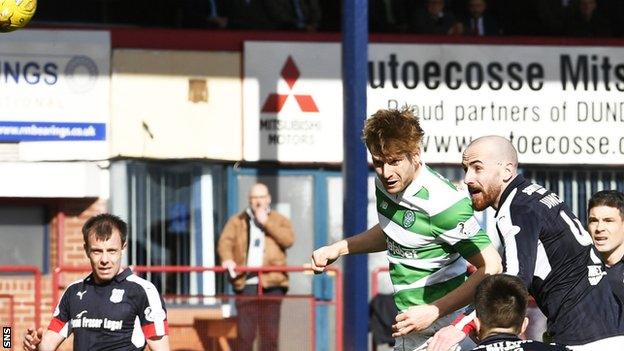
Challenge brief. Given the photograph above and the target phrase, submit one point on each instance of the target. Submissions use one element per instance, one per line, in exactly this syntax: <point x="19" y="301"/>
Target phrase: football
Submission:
<point x="15" y="14"/>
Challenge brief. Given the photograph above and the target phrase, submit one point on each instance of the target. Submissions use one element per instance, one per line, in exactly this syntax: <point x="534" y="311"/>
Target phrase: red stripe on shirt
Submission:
<point x="149" y="330"/>
<point x="56" y="325"/>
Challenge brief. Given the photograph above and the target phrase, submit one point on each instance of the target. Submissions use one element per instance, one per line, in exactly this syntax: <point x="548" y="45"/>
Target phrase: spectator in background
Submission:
<point x="605" y="217"/>
<point x="479" y="22"/>
<point x="303" y="15"/>
<point x="586" y="21"/>
<point x="501" y="304"/>
<point x="435" y="20"/>
<point x="257" y="237"/>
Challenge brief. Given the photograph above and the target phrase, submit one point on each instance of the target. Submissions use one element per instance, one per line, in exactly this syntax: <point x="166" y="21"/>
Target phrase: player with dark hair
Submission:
<point x="111" y="309"/>
<point x="547" y="247"/>
<point x="427" y="227"/>
<point x="605" y="221"/>
<point x="501" y="304"/>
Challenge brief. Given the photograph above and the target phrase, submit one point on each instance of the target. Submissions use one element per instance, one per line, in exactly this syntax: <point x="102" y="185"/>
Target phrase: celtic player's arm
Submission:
<point x="371" y="240"/>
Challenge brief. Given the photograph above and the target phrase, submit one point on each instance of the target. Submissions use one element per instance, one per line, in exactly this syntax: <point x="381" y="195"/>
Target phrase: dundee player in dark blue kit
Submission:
<point x="501" y="303"/>
<point x="605" y="221"/>
<point x="111" y="309"/>
<point x="546" y="246"/>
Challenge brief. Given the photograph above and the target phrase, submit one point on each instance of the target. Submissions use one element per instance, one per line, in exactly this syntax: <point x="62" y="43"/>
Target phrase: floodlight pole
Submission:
<point x="355" y="169"/>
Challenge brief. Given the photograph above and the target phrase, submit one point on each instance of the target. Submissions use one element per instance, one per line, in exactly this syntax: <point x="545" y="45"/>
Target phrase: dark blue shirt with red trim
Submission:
<point x="118" y="315"/>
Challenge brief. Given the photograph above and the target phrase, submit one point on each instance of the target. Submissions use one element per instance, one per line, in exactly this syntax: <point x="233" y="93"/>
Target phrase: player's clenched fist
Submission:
<point x="32" y="338"/>
<point x="324" y="256"/>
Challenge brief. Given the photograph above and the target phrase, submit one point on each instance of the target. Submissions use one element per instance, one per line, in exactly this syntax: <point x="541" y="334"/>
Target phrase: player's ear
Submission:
<point x="508" y="172"/>
<point x="123" y="247"/>
<point x="477" y="323"/>
<point x="525" y="324"/>
<point x="415" y="156"/>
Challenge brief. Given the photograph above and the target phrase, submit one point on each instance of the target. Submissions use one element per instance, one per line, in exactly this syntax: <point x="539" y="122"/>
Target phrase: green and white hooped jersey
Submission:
<point x="430" y="228"/>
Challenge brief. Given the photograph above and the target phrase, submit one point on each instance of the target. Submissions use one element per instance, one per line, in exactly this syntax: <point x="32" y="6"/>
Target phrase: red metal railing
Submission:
<point x="56" y="285"/>
<point x="37" y="293"/>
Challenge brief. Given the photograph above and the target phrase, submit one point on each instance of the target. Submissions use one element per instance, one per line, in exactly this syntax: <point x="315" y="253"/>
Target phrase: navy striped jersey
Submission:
<point x="548" y="248"/>
<point x="510" y="342"/>
<point x="118" y="315"/>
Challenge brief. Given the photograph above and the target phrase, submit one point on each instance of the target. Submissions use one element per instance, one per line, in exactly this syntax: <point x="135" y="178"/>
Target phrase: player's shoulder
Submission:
<point x="437" y="181"/>
<point x="140" y="284"/>
<point x="73" y="289"/>
<point x="523" y="198"/>
<point x="440" y="190"/>
<point x="76" y="285"/>
<point x="141" y="287"/>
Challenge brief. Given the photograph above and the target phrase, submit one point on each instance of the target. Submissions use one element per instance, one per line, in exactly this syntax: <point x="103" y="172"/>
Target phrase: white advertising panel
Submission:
<point x="558" y="105"/>
<point x="292" y="102"/>
<point x="54" y="93"/>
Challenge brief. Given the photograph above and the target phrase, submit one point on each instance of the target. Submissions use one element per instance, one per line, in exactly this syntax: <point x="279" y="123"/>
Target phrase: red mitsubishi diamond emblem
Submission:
<point x="275" y="101"/>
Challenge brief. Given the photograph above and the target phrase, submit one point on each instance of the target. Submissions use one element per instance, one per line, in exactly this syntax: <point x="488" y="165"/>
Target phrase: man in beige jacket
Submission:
<point x="257" y="237"/>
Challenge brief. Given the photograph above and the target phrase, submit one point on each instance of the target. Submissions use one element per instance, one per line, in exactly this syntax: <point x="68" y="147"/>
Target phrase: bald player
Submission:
<point x="546" y="246"/>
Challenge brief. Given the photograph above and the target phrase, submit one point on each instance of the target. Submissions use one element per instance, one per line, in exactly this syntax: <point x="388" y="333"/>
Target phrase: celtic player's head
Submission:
<point x="501" y="302"/>
<point x="393" y="138"/>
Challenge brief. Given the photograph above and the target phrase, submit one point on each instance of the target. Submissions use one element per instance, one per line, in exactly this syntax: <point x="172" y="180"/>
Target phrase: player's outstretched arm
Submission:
<point x="38" y="340"/>
<point x="159" y="343"/>
<point x="371" y="240"/>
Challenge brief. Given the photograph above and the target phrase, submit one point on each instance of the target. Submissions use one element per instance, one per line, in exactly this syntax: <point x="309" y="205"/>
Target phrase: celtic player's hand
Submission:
<point x="326" y="255"/>
<point x="414" y="319"/>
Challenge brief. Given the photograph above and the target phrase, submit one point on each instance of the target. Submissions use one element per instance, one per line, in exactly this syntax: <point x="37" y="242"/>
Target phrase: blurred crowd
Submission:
<point x="573" y="18"/>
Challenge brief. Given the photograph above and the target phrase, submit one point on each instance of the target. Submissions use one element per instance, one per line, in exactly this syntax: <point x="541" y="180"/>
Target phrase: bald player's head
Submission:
<point x="490" y="163"/>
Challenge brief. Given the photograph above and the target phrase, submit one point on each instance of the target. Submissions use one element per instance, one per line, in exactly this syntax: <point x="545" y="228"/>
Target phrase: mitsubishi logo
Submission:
<point x="275" y="101"/>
